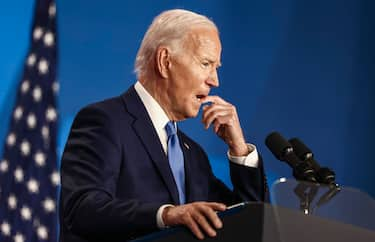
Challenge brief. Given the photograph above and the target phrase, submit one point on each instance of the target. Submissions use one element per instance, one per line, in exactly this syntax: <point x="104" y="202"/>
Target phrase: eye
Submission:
<point x="206" y="64"/>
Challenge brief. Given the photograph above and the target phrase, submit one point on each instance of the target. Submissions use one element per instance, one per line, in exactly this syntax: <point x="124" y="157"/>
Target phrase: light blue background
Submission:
<point x="304" y="68"/>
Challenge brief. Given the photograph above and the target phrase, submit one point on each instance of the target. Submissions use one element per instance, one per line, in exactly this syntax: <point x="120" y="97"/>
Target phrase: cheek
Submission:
<point x="190" y="81"/>
<point x="199" y="78"/>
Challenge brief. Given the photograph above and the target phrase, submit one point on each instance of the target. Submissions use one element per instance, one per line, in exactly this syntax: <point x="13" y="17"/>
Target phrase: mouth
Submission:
<point x="200" y="96"/>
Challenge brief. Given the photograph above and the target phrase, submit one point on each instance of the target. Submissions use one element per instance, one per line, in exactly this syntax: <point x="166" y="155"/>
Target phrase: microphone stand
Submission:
<point x="334" y="189"/>
<point x="306" y="193"/>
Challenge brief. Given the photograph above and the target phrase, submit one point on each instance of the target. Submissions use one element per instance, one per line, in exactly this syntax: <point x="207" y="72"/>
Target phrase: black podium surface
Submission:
<point x="301" y="212"/>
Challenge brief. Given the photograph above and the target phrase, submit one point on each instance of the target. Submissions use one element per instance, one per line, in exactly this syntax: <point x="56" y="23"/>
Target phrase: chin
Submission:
<point x="195" y="114"/>
<point x="191" y="111"/>
<point x="191" y="114"/>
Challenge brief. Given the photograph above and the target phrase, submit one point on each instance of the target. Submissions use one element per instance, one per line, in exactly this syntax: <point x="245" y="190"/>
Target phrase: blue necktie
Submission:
<point x="176" y="160"/>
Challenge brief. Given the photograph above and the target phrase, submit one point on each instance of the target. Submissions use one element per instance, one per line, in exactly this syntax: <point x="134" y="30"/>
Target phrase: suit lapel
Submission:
<point x="145" y="130"/>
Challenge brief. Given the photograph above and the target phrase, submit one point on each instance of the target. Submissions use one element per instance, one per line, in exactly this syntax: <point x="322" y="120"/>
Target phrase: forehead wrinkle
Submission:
<point x="191" y="41"/>
<point x="203" y="45"/>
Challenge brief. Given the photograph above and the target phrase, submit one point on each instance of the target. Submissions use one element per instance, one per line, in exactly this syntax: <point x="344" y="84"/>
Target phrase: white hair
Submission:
<point x="168" y="28"/>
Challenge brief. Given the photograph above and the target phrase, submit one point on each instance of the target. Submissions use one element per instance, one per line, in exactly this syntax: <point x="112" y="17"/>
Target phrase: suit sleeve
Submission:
<point x="249" y="184"/>
<point x="89" y="171"/>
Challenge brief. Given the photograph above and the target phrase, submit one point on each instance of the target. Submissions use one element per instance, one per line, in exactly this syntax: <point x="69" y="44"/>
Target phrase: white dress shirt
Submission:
<point x="160" y="119"/>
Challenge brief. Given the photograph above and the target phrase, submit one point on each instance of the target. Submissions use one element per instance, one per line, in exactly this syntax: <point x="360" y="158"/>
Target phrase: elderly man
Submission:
<point x="127" y="170"/>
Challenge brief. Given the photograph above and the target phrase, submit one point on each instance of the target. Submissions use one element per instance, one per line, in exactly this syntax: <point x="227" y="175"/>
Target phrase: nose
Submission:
<point x="213" y="79"/>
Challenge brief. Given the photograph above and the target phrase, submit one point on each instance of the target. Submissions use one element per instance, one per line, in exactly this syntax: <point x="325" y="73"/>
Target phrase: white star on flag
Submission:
<point x="51" y="114"/>
<point x="11" y="139"/>
<point x="31" y="60"/>
<point x="48" y="39"/>
<point x="33" y="186"/>
<point x="45" y="132"/>
<point x="19" y="238"/>
<point x="37" y="94"/>
<point x="5" y="228"/>
<point x="29" y="177"/>
<point x="42" y="232"/>
<point x="18" y="174"/>
<point x="31" y="120"/>
<point x="4" y="166"/>
<point x="18" y="113"/>
<point x="38" y="32"/>
<point x="25" y="213"/>
<point x="55" y="178"/>
<point x="40" y="158"/>
<point x="25" y="148"/>
<point x="12" y="202"/>
<point x="55" y="87"/>
<point x="25" y="86"/>
<point x="52" y="10"/>
<point x="49" y="205"/>
<point x="43" y="66"/>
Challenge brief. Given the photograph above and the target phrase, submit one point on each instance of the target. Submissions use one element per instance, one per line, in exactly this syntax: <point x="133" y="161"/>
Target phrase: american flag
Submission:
<point x="29" y="177"/>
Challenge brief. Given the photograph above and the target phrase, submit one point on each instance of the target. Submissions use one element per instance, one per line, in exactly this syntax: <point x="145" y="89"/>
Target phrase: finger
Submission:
<point x="222" y="120"/>
<point x="201" y="220"/>
<point x="215" y="108"/>
<point x="204" y="107"/>
<point x="215" y="115"/>
<point x="217" y="206"/>
<point x="193" y="226"/>
<point x="214" y="99"/>
<point x="210" y="109"/>
<point x="212" y="217"/>
<point x="207" y="109"/>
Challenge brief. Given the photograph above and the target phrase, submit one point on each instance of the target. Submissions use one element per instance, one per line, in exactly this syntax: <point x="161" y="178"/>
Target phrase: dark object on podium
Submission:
<point x="345" y="217"/>
<point x="235" y="227"/>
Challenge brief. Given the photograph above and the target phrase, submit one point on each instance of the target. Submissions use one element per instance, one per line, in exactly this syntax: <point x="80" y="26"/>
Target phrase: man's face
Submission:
<point x="193" y="72"/>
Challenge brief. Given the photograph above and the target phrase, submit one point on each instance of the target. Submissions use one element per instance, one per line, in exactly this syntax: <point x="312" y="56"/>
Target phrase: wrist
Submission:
<point x="164" y="216"/>
<point x="240" y="150"/>
<point x="159" y="216"/>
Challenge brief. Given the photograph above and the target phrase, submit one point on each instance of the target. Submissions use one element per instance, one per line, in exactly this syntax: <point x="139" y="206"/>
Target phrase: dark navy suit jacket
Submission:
<point x="115" y="174"/>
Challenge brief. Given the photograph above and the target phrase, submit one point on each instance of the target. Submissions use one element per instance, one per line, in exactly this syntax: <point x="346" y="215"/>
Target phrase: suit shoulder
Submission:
<point x="113" y="104"/>
<point x="110" y="111"/>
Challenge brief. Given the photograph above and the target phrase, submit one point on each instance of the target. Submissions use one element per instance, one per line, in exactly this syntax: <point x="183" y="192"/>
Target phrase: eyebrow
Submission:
<point x="218" y="64"/>
<point x="212" y="61"/>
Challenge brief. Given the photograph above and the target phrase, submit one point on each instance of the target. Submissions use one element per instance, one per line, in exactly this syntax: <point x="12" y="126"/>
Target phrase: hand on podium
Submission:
<point x="200" y="217"/>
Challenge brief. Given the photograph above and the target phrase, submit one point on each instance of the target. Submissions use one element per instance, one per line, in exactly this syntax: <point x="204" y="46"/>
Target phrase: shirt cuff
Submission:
<point x="159" y="218"/>
<point x="251" y="160"/>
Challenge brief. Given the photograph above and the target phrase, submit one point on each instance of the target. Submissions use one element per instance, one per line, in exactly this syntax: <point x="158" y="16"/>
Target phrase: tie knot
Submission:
<point x="170" y="128"/>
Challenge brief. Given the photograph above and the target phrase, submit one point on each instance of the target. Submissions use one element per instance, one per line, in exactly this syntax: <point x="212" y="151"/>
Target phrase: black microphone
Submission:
<point x="322" y="174"/>
<point x="283" y="151"/>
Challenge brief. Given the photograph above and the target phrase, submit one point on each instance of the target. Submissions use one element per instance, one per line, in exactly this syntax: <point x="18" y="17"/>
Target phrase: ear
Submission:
<point x="162" y="61"/>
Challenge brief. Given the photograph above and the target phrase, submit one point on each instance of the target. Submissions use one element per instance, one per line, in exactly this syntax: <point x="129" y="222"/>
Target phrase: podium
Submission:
<point x="300" y="212"/>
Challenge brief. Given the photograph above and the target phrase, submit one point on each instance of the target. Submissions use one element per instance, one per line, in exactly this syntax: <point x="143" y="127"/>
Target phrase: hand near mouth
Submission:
<point x="226" y="124"/>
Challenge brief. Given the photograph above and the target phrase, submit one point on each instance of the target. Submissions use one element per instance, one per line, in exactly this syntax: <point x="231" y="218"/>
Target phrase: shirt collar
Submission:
<point x="158" y="117"/>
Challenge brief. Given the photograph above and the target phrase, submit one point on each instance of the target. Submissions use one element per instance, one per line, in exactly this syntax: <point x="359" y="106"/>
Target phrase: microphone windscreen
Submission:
<point x="300" y="149"/>
<point x="277" y="145"/>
